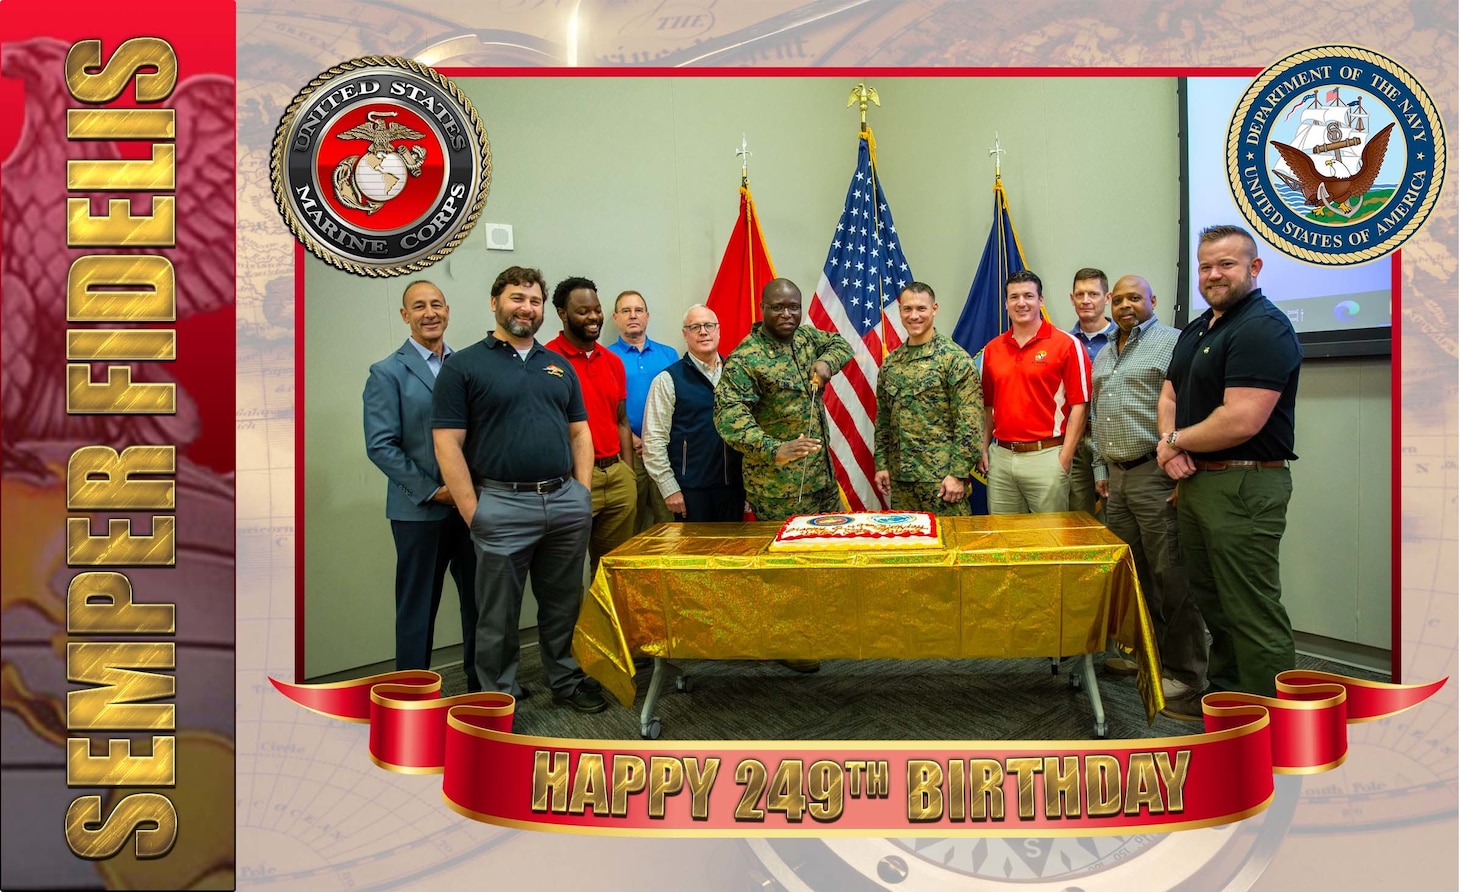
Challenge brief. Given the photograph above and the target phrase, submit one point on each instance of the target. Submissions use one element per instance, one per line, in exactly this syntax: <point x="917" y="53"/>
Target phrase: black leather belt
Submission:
<point x="1235" y="465"/>
<point x="541" y="487"/>
<point x="1135" y="462"/>
<point x="606" y="463"/>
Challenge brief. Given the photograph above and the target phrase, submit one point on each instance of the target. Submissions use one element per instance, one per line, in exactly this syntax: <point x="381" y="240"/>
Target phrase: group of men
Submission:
<point x="550" y="453"/>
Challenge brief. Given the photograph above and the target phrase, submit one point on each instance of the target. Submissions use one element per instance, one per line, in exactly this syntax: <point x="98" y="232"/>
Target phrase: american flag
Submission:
<point x="856" y="296"/>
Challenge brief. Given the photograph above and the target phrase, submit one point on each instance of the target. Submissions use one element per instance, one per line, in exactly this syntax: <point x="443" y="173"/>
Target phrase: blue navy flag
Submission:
<point x="985" y="315"/>
<point x="856" y="296"/>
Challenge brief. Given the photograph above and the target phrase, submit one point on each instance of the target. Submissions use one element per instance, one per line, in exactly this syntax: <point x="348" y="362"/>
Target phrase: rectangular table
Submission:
<point x="1030" y="585"/>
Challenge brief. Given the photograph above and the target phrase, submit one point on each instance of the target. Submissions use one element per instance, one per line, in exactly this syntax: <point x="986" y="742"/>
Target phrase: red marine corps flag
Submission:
<point x="744" y="271"/>
<point x="856" y="296"/>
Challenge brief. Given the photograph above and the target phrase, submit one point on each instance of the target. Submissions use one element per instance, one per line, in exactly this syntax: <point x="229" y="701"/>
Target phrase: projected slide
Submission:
<point x="1328" y="305"/>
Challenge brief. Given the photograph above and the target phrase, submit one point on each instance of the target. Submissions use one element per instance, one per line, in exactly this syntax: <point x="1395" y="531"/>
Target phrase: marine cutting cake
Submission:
<point x="873" y="529"/>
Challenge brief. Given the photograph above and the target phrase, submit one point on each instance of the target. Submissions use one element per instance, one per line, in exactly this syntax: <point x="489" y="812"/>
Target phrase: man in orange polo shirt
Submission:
<point x="605" y="390"/>
<point x="1036" y="394"/>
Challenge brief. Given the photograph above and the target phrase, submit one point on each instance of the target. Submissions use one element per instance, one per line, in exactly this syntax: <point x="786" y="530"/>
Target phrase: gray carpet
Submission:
<point x="862" y="700"/>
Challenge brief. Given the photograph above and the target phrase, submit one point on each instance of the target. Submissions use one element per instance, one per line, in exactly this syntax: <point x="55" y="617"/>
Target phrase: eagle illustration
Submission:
<point x="381" y="136"/>
<point x="1321" y="191"/>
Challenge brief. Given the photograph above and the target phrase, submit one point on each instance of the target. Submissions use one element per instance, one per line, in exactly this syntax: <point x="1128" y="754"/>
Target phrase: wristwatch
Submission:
<point x="1171" y="439"/>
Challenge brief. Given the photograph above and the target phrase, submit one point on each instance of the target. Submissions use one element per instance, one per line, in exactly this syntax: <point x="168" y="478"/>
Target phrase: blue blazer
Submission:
<point x="398" y="434"/>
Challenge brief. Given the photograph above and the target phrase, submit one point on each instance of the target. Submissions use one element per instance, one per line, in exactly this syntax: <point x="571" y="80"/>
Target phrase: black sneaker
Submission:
<point x="584" y="699"/>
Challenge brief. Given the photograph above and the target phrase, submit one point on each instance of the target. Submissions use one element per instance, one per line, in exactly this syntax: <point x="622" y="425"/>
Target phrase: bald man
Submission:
<point x="430" y="536"/>
<point x="1128" y="379"/>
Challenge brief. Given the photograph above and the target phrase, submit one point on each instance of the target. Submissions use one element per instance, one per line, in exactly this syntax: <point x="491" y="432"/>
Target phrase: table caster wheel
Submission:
<point x="1076" y="681"/>
<point x="1054" y="666"/>
<point x="1099" y="730"/>
<point x="684" y="684"/>
<point x="652" y="730"/>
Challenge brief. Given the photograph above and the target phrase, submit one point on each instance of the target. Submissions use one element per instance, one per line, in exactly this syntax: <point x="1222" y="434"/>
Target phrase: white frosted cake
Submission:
<point x="884" y="529"/>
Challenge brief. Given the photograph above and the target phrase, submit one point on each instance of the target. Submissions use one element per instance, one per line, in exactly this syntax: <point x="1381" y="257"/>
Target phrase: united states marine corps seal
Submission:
<point x="1335" y="155"/>
<point x="381" y="166"/>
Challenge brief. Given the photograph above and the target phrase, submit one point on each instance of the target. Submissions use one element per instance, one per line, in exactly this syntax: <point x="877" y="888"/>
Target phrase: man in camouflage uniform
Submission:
<point x="929" y="414"/>
<point x="768" y="407"/>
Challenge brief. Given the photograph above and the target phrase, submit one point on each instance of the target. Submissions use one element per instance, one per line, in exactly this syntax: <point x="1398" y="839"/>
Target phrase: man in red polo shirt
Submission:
<point x="1036" y="394"/>
<point x="605" y="389"/>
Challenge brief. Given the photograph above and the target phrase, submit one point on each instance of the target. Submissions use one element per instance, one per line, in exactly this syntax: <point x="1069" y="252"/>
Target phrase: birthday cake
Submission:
<point x="886" y="529"/>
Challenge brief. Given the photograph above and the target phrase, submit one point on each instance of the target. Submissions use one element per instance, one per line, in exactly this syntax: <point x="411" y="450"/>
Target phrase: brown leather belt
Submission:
<point x="1033" y="446"/>
<point x="1237" y="465"/>
<point x="606" y="463"/>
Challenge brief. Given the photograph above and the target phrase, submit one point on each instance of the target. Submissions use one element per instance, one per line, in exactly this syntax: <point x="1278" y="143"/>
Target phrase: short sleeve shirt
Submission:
<point x="1252" y="345"/>
<point x="1031" y="389"/>
<point x="601" y="374"/>
<point x="515" y="411"/>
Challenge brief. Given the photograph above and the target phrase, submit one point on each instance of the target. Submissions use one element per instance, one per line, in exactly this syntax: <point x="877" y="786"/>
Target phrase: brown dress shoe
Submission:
<point x="1184" y="709"/>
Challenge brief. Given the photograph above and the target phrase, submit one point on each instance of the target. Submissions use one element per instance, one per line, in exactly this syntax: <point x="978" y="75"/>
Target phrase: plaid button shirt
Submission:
<point x="1127" y="392"/>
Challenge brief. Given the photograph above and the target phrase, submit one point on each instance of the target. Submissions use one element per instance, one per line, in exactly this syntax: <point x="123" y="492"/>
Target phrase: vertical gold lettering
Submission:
<point x="98" y="478"/>
<point x="113" y="704"/>
<point x="119" y="767"/>
<point x="119" y="546"/>
<point x="100" y="603"/>
<point x="121" y="288"/>
<point x="120" y="228"/>
<point x="132" y="57"/>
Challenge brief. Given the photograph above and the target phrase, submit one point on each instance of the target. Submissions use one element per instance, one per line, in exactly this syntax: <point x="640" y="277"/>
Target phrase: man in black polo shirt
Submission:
<point x="1226" y="425"/>
<point x="514" y="448"/>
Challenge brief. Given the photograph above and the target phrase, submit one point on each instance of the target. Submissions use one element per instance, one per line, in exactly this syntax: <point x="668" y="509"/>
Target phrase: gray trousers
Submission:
<point x="1082" y="481"/>
<point x="1137" y="511"/>
<point x="545" y="536"/>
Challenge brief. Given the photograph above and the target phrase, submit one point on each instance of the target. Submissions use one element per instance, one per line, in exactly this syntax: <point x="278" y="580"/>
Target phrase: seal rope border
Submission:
<point x="1235" y="132"/>
<point x="281" y="198"/>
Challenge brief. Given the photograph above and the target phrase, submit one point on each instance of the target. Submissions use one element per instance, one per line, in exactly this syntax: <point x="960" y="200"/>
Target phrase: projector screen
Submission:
<point x="1337" y="311"/>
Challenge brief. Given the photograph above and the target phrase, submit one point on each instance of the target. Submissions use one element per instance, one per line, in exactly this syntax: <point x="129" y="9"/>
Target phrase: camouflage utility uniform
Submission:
<point x="763" y="400"/>
<point x="929" y="422"/>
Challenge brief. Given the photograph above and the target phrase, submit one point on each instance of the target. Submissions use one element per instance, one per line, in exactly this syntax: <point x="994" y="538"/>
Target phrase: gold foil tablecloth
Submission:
<point x="1025" y="585"/>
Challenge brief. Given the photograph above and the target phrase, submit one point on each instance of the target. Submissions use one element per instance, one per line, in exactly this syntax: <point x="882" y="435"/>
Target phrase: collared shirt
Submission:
<point x="433" y="361"/>
<point x="1128" y="382"/>
<point x="1094" y="343"/>
<point x="1251" y="345"/>
<point x="929" y="412"/>
<point x="602" y="376"/>
<point x="658" y="415"/>
<point x="515" y="412"/>
<point x="641" y="366"/>
<point x="1032" y="388"/>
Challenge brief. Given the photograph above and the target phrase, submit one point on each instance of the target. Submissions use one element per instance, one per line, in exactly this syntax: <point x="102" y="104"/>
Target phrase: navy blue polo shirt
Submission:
<point x="515" y="411"/>
<point x="1252" y="345"/>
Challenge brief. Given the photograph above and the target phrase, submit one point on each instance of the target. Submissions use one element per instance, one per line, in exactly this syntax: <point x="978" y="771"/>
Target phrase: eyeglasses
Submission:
<point x="705" y="327"/>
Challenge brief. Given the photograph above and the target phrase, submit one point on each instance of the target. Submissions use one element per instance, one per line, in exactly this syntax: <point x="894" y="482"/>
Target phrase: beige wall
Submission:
<point x="632" y="182"/>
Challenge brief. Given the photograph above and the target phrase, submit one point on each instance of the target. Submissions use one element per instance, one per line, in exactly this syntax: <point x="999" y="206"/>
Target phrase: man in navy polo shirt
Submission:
<point x="515" y="451"/>
<point x="1226" y="422"/>
<point x="643" y="358"/>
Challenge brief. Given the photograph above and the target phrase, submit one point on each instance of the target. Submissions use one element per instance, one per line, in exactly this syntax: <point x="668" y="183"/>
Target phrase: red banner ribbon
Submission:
<point x="753" y="788"/>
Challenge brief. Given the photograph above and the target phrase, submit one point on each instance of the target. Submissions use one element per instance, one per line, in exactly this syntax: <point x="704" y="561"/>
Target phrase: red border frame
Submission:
<point x="1395" y="519"/>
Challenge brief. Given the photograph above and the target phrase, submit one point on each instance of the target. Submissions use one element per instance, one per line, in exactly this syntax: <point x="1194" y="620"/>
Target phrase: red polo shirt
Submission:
<point x="1032" y="388"/>
<point x="604" y="387"/>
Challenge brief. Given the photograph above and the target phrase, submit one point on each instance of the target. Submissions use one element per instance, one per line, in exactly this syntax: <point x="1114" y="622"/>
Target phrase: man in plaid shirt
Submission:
<point x="1139" y="507"/>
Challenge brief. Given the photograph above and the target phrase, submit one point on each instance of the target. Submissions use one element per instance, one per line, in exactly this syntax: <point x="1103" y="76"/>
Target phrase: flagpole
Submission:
<point x="750" y="296"/>
<point x="862" y="95"/>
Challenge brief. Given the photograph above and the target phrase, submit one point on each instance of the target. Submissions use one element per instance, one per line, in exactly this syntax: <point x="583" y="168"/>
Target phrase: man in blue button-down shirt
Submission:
<point x="429" y="534"/>
<point x="643" y="360"/>
<point x="1090" y="296"/>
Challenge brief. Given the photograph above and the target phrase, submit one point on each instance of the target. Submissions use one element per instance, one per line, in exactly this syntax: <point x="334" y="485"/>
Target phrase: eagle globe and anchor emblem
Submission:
<point x="404" y="200"/>
<point x="365" y="182"/>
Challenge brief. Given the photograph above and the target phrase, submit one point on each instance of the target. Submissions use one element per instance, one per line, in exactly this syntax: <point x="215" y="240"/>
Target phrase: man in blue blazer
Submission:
<point x="430" y="535"/>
